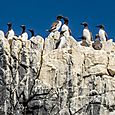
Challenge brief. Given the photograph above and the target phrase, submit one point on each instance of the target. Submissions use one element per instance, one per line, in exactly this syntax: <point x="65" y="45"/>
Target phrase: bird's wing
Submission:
<point x="70" y="32"/>
<point x="91" y="36"/>
<point x="106" y="36"/>
<point x="7" y="34"/>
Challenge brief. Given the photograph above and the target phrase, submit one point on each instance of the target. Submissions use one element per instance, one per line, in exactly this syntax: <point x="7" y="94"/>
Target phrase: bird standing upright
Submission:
<point x="86" y="33"/>
<point x="56" y="25"/>
<point x="32" y="33"/>
<point x="65" y="27"/>
<point x="61" y="41"/>
<point x="24" y="35"/>
<point x="102" y="34"/>
<point x="37" y="42"/>
<point x="10" y="33"/>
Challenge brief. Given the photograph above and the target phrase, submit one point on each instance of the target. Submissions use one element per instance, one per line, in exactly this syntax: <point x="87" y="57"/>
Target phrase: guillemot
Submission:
<point x="65" y="27"/>
<point x="102" y="34"/>
<point x="24" y="35"/>
<point x="86" y="33"/>
<point x="10" y="33"/>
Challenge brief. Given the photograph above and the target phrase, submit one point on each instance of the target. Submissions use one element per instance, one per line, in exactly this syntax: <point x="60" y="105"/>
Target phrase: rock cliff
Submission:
<point x="37" y="79"/>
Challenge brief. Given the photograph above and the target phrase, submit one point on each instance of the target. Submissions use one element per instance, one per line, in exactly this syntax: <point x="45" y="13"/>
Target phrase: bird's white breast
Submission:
<point x="63" y="41"/>
<point x="102" y="35"/>
<point x="86" y="33"/>
<point x="10" y="34"/>
<point x="66" y="29"/>
<point x="24" y="36"/>
<point x="58" y="25"/>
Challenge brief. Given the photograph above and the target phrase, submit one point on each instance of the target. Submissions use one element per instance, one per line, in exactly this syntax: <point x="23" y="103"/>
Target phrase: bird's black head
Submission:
<point x="85" y="24"/>
<point x="9" y="25"/>
<point x="101" y="26"/>
<point x="23" y="26"/>
<point x="59" y="17"/>
<point x="66" y="20"/>
<point x="32" y="32"/>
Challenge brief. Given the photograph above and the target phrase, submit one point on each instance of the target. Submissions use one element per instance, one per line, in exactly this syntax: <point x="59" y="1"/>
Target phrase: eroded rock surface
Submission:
<point x="37" y="79"/>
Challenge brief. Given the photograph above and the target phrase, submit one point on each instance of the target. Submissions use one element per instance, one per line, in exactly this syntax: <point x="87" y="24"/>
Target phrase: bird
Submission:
<point x="10" y="33"/>
<point x="97" y="45"/>
<point x="33" y="37"/>
<point x="36" y="41"/>
<point x="24" y="35"/>
<point x="56" y="25"/>
<point x="65" y="27"/>
<point x="61" y="41"/>
<point x="102" y="34"/>
<point x="32" y="32"/>
<point x="84" y="43"/>
<point x="86" y="33"/>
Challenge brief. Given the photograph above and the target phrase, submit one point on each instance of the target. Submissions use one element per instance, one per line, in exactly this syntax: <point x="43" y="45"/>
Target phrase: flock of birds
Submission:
<point x="64" y="33"/>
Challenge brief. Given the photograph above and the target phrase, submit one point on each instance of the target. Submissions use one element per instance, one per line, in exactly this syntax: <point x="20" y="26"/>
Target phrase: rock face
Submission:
<point x="37" y="79"/>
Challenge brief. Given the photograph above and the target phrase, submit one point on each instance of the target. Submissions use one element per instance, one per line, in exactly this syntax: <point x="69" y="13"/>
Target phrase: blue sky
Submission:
<point x="39" y="14"/>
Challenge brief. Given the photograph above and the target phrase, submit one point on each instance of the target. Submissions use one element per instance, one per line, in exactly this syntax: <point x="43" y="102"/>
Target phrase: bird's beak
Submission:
<point x="82" y="24"/>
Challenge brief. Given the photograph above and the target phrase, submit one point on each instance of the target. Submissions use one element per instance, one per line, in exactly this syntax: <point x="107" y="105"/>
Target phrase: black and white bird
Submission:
<point x="32" y="34"/>
<point x="102" y="34"/>
<point x="10" y="33"/>
<point x="65" y="27"/>
<point x="37" y="41"/>
<point x="24" y="35"/>
<point x="56" y="25"/>
<point x="87" y="33"/>
<point x="61" y="41"/>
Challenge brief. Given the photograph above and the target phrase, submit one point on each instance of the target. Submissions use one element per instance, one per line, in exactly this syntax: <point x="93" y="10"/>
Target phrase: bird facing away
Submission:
<point x="102" y="34"/>
<point x="86" y="32"/>
<point x="56" y="25"/>
<point x="10" y="33"/>
<point x="65" y="27"/>
<point x="24" y="35"/>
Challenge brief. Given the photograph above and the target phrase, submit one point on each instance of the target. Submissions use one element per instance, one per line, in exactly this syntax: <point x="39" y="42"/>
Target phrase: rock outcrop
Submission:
<point x="37" y="79"/>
